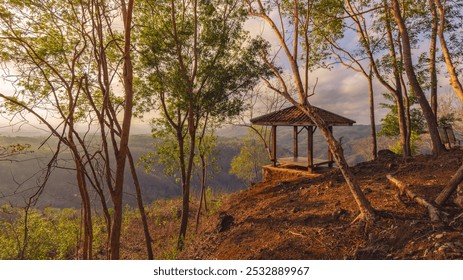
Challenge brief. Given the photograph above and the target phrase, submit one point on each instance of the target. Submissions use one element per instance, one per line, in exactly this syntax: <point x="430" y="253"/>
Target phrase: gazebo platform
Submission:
<point x="289" y="171"/>
<point x="303" y="162"/>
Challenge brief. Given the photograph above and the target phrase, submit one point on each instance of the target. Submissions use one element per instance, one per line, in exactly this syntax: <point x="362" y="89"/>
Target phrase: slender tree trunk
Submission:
<point x="437" y="146"/>
<point x="203" y="190"/>
<point x="141" y="207"/>
<point x="432" y="57"/>
<point x="187" y="184"/>
<point x="457" y="87"/>
<point x="454" y="80"/>
<point x="374" y="143"/>
<point x="404" y="135"/>
<point x="395" y="90"/>
<point x="121" y="154"/>
<point x="22" y="248"/>
<point x="367" y="212"/>
<point x="85" y="198"/>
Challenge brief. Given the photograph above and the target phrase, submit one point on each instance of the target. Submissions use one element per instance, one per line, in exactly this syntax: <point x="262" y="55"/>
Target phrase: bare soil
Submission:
<point x="311" y="218"/>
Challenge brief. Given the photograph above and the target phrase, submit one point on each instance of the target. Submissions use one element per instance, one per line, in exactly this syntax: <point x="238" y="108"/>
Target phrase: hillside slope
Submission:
<point x="311" y="218"/>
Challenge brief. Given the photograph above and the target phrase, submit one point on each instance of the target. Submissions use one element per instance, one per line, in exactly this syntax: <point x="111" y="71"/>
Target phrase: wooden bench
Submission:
<point x="448" y="138"/>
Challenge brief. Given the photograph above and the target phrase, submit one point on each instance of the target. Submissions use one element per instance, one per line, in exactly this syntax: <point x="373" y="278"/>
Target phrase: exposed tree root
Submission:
<point x="364" y="219"/>
<point x="434" y="213"/>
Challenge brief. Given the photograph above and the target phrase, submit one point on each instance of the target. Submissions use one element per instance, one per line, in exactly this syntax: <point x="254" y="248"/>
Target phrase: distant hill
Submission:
<point x="21" y="175"/>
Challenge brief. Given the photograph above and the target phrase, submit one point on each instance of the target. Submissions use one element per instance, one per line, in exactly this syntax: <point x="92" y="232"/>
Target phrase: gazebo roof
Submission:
<point x="292" y="116"/>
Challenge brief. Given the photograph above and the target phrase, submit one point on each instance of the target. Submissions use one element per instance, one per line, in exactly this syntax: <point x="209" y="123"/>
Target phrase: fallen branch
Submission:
<point x="456" y="219"/>
<point x="450" y="188"/>
<point x="433" y="212"/>
<point x="296" y="233"/>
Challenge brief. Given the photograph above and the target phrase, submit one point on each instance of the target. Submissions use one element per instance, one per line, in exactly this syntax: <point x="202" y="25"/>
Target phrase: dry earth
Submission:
<point x="311" y="218"/>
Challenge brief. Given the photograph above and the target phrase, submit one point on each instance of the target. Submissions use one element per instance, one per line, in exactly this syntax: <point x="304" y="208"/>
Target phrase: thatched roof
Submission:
<point x="292" y="116"/>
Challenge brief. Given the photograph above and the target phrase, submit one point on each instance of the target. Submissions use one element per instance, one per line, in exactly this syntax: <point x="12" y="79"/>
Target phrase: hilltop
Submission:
<point x="310" y="218"/>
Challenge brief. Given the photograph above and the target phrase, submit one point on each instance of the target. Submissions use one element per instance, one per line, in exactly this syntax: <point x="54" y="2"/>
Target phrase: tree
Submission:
<point x="247" y="165"/>
<point x="67" y="54"/>
<point x="390" y="123"/>
<point x="383" y="52"/>
<point x="207" y="142"/>
<point x="305" y="49"/>
<point x="196" y="63"/>
<point x="454" y="80"/>
<point x="431" y="120"/>
<point x="46" y="60"/>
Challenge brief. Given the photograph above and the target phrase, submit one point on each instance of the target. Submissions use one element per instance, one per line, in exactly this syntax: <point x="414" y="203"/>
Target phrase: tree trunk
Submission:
<point x="374" y="145"/>
<point x="141" y="207"/>
<point x="451" y="187"/>
<point x="184" y="218"/>
<point x="367" y="212"/>
<point x="437" y="146"/>
<point x="203" y="190"/>
<point x="121" y="154"/>
<point x="404" y="135"/>
<point x="85" y="198"/>
<point x="432" y="58"/>
<point x="454" y="81"/>
<point x="433" y="212"/>
<point x="187" y="182"/>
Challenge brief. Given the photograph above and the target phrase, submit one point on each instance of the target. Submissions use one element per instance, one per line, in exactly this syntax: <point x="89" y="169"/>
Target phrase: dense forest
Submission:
<point x="82" y="72"/>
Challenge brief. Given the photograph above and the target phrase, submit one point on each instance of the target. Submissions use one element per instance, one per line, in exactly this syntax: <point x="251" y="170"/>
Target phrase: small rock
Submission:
<point x="384" y="154"/>
<point x="439" y="236"/>
<point x="225" y="222"/>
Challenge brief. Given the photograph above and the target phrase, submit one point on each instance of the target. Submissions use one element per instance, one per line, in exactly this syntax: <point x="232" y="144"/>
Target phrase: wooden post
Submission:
<point x="295" y="148"/>
<point x="310" y="148"/>
<point x="330" y="155"/>
<point x="274" y="145"/>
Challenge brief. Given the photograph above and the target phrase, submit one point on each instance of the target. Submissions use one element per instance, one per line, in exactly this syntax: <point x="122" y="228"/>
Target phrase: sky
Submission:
<point x="339" y="90"/>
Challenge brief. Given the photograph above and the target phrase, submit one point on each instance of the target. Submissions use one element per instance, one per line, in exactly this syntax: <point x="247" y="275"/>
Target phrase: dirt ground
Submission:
<point x="311" y="218"/>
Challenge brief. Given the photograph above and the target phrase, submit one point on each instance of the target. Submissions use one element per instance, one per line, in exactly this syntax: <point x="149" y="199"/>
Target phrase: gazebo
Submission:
<point x="292" y="116"/>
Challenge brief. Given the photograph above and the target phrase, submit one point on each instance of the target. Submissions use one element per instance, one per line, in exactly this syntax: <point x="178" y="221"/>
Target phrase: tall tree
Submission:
<point x="47" y="52"/>
<point x="437" y="146"/>
<point x="432" y="56"/>
<point x="454" y="80"/>
<point x="302" y="53"/>
<point x="382" y="50"/>
<point x="196" y="62"/>
<point x="67" y="54"/>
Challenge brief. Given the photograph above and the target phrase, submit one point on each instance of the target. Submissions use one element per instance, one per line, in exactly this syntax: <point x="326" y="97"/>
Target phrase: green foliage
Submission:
<point x="12" y="150"/>
<point x="247" y="165"/>
<point x="448" y="119"/>
<point x="390" y="123"/>
<point x="49" y="44"/>
<point x="225" y="58"/>
<point x="195" y="71"/>
<point x="172" y="251"/>
<point x="51" y="234"/>
<point x="414" y="140"/>
<point x="215" y="201"/>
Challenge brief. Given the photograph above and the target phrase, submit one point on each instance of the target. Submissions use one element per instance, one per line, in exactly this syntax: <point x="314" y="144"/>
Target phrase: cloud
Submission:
<point x="339" y="90"/>
<point x="345" y="92"/>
